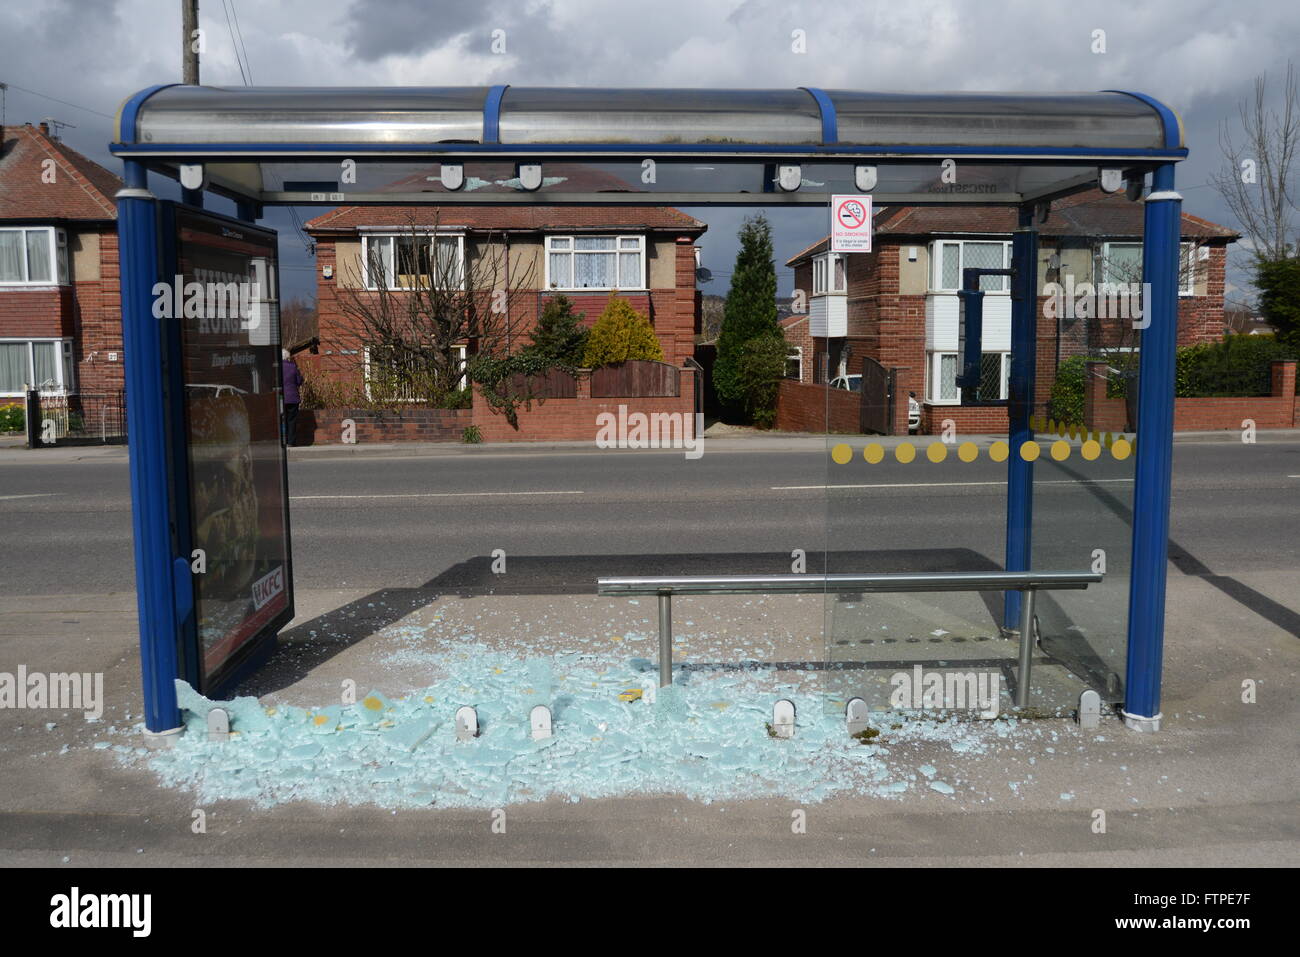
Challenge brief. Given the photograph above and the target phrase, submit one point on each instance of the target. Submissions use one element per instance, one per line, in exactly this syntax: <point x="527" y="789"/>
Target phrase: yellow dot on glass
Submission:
<point x="905" y="452"/>
<point x="937" y="452"/>
<point x="968" y="452"/>
<point x="1121" y="449"/>
<point x="999" y="451"/>
<point x="1060" y="451"/>
<point x="1029" y="451"/>
<point x="1090" y="450"/>
<point x="873" y="453"/>
<point x="841" y="454"/>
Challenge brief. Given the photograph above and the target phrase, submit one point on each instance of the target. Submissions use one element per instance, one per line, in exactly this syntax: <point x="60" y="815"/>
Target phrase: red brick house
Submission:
<point x="898" y="304"/>
<point x="646" y="255"/>
<point x="60" y="314"/>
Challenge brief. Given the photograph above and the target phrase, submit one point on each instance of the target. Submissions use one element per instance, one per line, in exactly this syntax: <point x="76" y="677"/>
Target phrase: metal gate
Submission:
<point x="877" y="397"/>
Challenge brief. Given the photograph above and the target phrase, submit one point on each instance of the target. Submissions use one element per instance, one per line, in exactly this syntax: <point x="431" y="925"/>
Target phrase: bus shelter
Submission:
<point x="208" y="481"/>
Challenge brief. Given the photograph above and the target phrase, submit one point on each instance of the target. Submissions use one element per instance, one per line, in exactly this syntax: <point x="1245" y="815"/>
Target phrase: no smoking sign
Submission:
<point x="851" y="224"/>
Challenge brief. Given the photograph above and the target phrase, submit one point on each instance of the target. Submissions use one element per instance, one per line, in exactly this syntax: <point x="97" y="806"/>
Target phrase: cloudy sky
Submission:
<point x="1200" y="57"/>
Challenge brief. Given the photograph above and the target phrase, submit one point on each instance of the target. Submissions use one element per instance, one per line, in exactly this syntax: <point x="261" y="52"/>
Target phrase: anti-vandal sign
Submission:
<point x="851" y="224"/>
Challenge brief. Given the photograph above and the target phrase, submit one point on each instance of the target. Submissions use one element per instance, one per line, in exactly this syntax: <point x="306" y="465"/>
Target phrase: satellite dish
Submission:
<point x="703" y="273"/>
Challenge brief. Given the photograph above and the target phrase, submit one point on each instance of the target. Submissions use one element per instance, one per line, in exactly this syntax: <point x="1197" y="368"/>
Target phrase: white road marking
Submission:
<point x="791" y="488"/>
<point x="32" y="495"/>
<point x="299" y="498"/>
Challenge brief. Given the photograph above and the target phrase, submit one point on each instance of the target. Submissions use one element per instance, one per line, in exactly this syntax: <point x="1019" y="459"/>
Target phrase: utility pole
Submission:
<point x="190" y="42"/>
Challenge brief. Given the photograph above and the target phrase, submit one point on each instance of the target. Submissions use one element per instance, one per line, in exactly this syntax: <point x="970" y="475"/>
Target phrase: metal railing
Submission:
<point x="1027" y="583"/>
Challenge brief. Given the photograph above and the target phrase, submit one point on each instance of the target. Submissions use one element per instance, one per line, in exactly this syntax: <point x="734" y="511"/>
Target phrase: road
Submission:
<point x="369" y="522"/>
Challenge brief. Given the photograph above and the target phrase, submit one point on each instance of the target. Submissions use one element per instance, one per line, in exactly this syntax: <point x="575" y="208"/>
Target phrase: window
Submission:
<point x="1122" y="263"/>
<point x="595" y="262"/>
<point x="995" y="378"/>
<point x="44" y="364"/>
<point x="828" y="274"/>
<point x="794" y="363"/>
<point x="951" y="256"/>
<point x="403" y="261"/>
<point x="33" y="256"/>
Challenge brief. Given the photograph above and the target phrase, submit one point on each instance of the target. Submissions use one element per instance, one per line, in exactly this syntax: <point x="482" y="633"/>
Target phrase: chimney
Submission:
<point x="45" y="128"/>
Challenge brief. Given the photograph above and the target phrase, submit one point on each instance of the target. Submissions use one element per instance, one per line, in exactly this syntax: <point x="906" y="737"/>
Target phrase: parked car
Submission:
<point x="849" y="383"/>
<point x="913" y="413"/>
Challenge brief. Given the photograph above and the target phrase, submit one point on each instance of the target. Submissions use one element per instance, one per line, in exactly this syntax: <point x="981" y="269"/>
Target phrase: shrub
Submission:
<point x="559" y="334"/>
<point x="621" y="333"/>
<point x="760" y="367"/>
<point x="749" y="311"/>
<point x="1279" y="297"/>
<point x="1237" y="366"/>
<point x="471" y="435"/>
<point x="1066" y="402"/>
<point x="13" y="417"/>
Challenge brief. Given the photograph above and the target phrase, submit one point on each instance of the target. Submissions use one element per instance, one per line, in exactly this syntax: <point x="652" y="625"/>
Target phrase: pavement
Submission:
<point x="1216" y="787"/>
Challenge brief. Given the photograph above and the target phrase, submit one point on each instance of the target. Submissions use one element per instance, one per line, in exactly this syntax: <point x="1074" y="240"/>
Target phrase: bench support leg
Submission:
<point x="665" y="640"/>
<point x="1026" y="646"/>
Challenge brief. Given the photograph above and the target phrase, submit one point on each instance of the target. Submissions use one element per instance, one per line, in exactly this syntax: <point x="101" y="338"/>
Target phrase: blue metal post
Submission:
<point x="142" y="339"/>
<point x="1020" y="405"/>
<point x="1155" y="452"/>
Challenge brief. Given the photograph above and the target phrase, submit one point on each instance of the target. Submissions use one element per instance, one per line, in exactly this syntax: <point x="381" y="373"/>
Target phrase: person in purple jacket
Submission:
<point x="292" y="379"/>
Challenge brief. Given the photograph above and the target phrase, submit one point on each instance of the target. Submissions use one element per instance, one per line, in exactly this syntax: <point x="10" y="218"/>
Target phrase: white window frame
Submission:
<point x="933" y="364"/>
<point x="461" y="386"/>
<point x="823" y="266"/>
<point x="1187" y="264"/>
<point x="390" y="267"/>
<point x="57" y="240"/>
<point x="936" y="264"/>
<point x="64" y="367"/>
<point x="572" y="251"/>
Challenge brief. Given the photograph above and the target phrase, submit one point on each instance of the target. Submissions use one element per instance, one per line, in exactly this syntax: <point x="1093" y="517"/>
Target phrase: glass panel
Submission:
<point x="379" y="251"/>
<point x="948" y="376"/>
<point x="413" y="261"/>
<point x="38" y="256"/>
<point x="990" y="377"/>
<point x="449" y="264"/>
<point x="593" y="270"/>
<point x="594" y="242"/>
<point x="560" y="242"/>
<point x="629" y="270"/>
<point x="12" y="265"/>
<point x="561" y="266"/>
<point x="1121" y="262"/>
<point x="47" y="365"/>
<point x="13" y="366"/>
<point x="987" y="256"/>
<point x="951" y="259"/>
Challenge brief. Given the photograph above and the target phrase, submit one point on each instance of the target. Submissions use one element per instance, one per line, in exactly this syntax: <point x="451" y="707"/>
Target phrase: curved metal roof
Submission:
<point x="181" y="120"/>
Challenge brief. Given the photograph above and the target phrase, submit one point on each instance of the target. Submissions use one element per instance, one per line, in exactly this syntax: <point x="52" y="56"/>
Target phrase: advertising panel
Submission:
<point x="225" y="298"/>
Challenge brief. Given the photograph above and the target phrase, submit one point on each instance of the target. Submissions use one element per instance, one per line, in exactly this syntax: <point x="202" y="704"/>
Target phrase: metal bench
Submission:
<point x="1027" y="583"/>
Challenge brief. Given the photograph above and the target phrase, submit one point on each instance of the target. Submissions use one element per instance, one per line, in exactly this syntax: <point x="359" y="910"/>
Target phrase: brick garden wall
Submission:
<point x="816" y="408"/>
<point x="549" y="420"/>
<point x="325" y="426"/>
<point x="1276" y="411"/>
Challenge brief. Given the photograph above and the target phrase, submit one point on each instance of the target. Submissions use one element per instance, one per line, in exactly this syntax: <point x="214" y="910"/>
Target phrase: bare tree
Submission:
<point x="297" y="323"/>
<point x="424" y="302"/>
<point x="1256" y="181"/>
